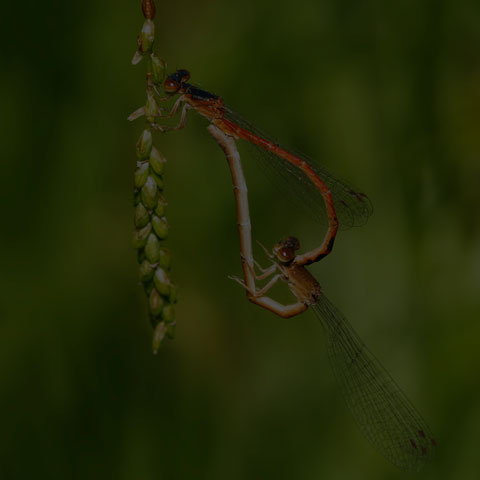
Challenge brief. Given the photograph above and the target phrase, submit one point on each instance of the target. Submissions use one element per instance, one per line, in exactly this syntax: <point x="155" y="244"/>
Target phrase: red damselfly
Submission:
<point x="382" y="411"/>
<point x="328" y="197"/>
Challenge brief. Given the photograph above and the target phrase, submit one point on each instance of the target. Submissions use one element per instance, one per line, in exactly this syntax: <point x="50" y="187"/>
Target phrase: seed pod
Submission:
<point x="141" y="174"/>
<point x="144" y="145"/>
<point x="149" y="193"/>
<point x="147" y="35"/>
<point x="158" y="336"/>
<point x="156" y="302"/>
<point x="148" y="9"/>
<point x="137" y="57"/>
<point x="140" y="236"/>
<point x="152" y="248"/>
<point x="158" y="69"/>
<point x="158" y="180"/>
<point x="160" y="227"/>
<point x="141" y="216"/>
<point x="157" y="162"/>
<point x="146" y="271"/>
<point x="168" y="313"/>
<point x="162" y="282"/>
<point x="152" y="109"/>
<point x="160" y="209"/>
<point x="165" y="259"/>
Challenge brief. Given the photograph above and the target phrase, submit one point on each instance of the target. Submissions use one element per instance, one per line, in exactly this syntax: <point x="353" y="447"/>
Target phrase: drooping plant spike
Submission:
<point x="151" y="226"/>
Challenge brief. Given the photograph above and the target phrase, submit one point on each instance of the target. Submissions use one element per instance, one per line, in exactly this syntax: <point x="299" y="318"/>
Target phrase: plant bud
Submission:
<point x="152" y="109"/>
<point x="162" y="282"/>
<point x="158" y="69"/>
<point x="157" y="162"/>
<point x="165" y="259"/>
<point x="140" y="236"/>
<point x="137" y="57"/>
<point x="160" y="227"/>
<point x="141" y="216"/>
<point x="141" y="175"/>
<point x="149" y="193"/>
<point x="168" y="313"/>
<point x="139" y="112"/>
<point x="156" y="303"/>
<point x="144" y="145"/>
<point x="158" y="336"/>
<point x="160" y="209"/>
<point x="146" y="271"/>
<point x="152" y="248"/>
<point x="148" y="9"/>
<point x="158" y="180"/>
<point x="147" y="35"/>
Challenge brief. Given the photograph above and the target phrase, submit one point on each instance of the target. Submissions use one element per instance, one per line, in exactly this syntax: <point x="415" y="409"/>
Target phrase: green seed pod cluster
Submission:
<point x="151" y="226"/>
<point x="151" y="229"/>
<point x="145" y="44"/>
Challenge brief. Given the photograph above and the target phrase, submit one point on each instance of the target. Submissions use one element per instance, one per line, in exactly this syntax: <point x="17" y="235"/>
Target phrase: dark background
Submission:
<point x="386" y="94"/>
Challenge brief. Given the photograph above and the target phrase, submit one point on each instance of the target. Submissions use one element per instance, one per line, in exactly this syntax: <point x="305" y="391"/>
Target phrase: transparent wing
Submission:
<point x="383" y="412"/>
<point x="352" y="207"/>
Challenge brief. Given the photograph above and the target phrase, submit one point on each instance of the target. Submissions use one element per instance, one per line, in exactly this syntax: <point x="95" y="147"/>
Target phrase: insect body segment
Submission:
<point x="382" y="411"/>
<point x="332" y="200"/>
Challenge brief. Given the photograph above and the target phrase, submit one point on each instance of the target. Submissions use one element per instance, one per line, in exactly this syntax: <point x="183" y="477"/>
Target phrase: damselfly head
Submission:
<point x="174" y="81"/>
<point x="285" y="249"/>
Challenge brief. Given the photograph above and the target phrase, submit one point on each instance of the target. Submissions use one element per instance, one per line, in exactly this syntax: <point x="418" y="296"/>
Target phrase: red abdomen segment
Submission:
<point x="238" y="132"/>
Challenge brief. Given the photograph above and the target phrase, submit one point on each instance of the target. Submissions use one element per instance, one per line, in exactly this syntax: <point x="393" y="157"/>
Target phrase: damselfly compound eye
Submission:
<point x="283" y="252"/>
<point x="171" y="86"/>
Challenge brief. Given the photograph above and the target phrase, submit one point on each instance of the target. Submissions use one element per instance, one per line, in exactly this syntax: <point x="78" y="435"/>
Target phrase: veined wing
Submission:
<point x="352" y="207"/>
<point x="383" y="412"/>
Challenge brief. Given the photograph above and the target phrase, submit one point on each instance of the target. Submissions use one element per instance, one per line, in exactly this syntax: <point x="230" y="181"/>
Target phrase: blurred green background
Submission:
<point x="387" y="95"/>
